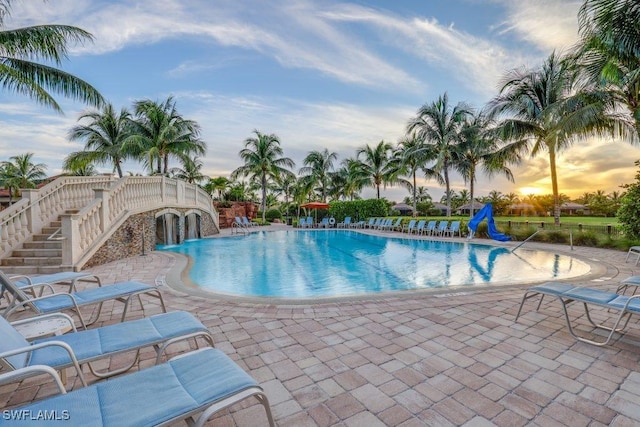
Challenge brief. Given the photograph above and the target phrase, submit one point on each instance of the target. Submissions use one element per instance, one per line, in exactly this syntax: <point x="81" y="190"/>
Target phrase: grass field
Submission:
<point x="585" y="220"/>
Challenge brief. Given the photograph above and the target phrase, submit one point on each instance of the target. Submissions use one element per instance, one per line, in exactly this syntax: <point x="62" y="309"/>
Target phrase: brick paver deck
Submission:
<point x="411" y="359"/>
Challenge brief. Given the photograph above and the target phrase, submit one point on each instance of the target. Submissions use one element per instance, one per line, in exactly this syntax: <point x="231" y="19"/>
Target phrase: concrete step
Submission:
<point x="30" y="269"/>
<point x="35" y="261"/>
<point x="48" y="244"/>
<point x="37" y="253"/>
<point x="41" y="238"/>
<point x="49" y="230"/>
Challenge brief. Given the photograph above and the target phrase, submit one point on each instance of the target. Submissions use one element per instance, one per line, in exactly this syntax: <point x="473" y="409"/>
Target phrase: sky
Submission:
<point x="318" y="74"/>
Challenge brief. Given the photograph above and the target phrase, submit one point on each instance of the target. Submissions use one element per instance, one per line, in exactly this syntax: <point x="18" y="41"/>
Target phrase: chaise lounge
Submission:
<point x="201" y="382"/>
<point x="56" y="302"/>
<point x="567" y="293"/>
<point x="86" y="346"/>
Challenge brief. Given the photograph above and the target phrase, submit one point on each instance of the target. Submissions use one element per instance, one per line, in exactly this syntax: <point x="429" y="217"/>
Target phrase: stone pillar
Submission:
<point x="33" y="213"/>
<point x="103" y="194"/>
<point x="71" y="239"/>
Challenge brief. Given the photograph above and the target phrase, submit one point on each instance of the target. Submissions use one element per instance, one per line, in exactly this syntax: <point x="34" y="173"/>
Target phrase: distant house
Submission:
<point x="522" y="209"/>
<point x="571" y="208"/>
<point x="466" y="208"/>
<point x="441" y="207"/>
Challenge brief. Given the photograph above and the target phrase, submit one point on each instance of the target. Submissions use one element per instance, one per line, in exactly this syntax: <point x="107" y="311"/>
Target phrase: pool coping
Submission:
<point x="177" y="277"/>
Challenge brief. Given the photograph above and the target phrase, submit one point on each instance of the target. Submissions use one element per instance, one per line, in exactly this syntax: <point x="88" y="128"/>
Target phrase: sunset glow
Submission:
<point x="536" y="191"/>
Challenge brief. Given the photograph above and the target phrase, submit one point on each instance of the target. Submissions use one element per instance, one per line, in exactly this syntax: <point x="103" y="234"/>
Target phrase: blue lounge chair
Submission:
<point x="396" y="225"/>
<point x="420" y="227"/>
<point x="384" y="224"/>
<point x="430" y="228"/>
<point x="302" y="223"/>
<point x="442" y="227"/>
<point x="56" y="302"/>
<point x="324" y="223"/>
<point x="201" y="382"/>
<point x="247" y="223"/>
<point x="409" y="227"/>
<point x="566" y="293"/>
<point x="453" y="229"/>
<point x="309" y="222"/>
<point x="63" y="278"/>
<point x="369" y="224"/>
<point x="87" y="346"/>
<point x="345" y="224"/>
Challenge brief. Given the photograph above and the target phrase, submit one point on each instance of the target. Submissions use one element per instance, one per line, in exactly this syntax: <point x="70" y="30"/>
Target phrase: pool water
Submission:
<point x="308" y="264"/>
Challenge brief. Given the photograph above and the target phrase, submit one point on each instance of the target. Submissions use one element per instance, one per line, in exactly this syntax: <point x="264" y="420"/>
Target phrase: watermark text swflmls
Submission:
<point x="29" y="415"/>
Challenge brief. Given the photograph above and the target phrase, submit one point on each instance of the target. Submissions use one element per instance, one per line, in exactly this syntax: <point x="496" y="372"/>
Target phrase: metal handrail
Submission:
<point x="55" y="233"/>
<point x="526" y="240"/>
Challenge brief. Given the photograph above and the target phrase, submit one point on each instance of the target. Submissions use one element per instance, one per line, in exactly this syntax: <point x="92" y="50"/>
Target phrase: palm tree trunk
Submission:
<point x="264" y="197"/>
<point x="119" y="168"/>
<point x="415" y="204"/>
<point x="554" y="186"/>
<point x="447" y="187"/>
<point x="472" y="178"/>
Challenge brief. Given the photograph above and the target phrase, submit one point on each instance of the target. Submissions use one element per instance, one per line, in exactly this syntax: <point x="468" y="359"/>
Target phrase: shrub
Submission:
<point x="629" y="212"/>
<point x="556" y="237"/>
<point x="272" y="214"/>
<point x="358" y="209"/>
<point x="587" y="238"/>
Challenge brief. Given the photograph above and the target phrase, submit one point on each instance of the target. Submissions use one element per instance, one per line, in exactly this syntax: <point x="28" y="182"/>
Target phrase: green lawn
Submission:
<point x="586" y="220"/>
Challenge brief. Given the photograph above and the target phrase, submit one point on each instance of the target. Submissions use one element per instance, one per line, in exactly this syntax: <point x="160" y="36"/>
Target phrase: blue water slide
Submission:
<point x="487" y="212"/>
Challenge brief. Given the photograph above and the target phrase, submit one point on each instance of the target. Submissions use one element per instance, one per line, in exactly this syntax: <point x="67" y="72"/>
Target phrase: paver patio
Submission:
<point x="411" y="359"/>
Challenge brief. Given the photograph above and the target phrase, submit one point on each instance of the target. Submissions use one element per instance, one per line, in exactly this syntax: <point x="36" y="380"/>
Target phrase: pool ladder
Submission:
<point x="239" y="228"/>
<point x="536" y="232"/>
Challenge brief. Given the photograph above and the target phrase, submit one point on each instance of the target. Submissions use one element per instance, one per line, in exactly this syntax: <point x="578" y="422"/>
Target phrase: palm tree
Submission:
<point x="285" y="185"/>
<point x="411" y="155"/>
<point x="375" y="163"/>
<point x="85" y="170"/>
<point x="263" y="160"/>
<point x="546" y="110"/>
<point x="191" y="170"/>
<point x="219" y="184"/>
<point x="609" y="51"/>
<point x="317" y="169"/>
<point x="480" y="148"/>
<point x="159" y="132"/>
<point x="348" y="180"/>
<point x="20" y="172"/>
<point x="105" y="135"/>
<point x="438" y="124"/>
<point x="20" y="47"/>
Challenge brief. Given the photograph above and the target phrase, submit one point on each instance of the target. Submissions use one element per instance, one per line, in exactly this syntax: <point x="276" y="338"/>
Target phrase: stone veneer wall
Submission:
<point x="126" y="241"/>
<point x="228" y="215"/>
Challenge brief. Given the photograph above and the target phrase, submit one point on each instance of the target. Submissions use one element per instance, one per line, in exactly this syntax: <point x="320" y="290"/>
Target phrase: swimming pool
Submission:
<point x="309" y="264"/>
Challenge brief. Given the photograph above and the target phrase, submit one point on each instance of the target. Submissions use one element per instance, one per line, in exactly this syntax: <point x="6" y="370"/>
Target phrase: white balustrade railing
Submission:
<point x="101" y="201"/>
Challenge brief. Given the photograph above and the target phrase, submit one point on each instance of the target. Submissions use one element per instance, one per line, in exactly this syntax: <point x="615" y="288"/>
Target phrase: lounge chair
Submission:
<point x="86" y="346"/>
<point x="324" y="223"/>
<point x="397" y="226"/>
<point x="409" y="227"/>
<point x="55" y="302"/>
<point x="247" y="223"/>
<point x="442" y="228"/>
<point x="453" y="229"/>
<point x="345" y="224"/>
<point x="302" y="223"/>
<point x="358" y="224"/>
<point x="201" y="382"/>
<point x="370" y="223"/>
<point x="419" y="227"/>
<point x="309" y="222"/>
<point x="69" y="278"/>
<point x="566" y="293"/>
<point x="430" y="228"/>
<point x="635" y="250"/>
<point x="384" y="224"/>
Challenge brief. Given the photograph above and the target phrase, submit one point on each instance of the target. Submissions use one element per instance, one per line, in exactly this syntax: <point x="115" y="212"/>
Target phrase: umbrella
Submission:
<point x="315" y="205"/>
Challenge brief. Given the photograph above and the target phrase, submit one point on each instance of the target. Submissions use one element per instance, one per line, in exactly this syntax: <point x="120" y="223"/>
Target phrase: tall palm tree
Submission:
<point x="349" y="179"/>
<point x="479" y="148"/>
<point x="159" y="133"/>
<point x="105" y="134"/>
<point x="438" y="124"/>
<point x="20" y="172"/>
<point x="548" y="110"/>
<point x="22" y="49"/>
<point x="262" y="156"/>
<point x="317" y="169"/>
<point x="609" y="50"/>
<point x="375" y="163"/>
<point x="285" y="185"/>
<point x="411" y="156"/>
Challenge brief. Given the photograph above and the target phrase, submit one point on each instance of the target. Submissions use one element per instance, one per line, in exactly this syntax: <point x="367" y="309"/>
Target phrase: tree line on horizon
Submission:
<point x="592" y="90"/>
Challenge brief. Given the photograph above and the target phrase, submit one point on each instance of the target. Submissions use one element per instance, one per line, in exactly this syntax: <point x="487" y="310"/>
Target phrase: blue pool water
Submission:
<point x="308" y="264"/>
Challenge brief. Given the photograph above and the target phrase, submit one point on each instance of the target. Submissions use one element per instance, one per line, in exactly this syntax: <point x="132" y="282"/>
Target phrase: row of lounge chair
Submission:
<point x="193" y="385"/>
<point x="244" y="222"/>
<point x="419" y="227"/>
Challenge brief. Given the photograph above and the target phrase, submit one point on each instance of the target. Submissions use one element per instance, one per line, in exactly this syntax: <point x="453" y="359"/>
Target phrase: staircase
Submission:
<point x="38" y="256"/>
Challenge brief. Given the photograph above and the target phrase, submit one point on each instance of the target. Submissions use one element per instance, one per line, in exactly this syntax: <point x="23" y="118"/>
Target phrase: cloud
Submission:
<point x="546" y="24"/>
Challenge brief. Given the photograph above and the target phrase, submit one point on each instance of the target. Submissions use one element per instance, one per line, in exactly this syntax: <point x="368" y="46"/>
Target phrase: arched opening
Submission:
<point x="167" y="232"/>
<point x="192" y="226"/>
